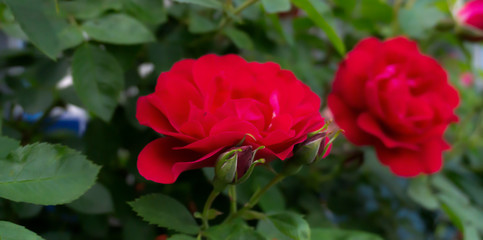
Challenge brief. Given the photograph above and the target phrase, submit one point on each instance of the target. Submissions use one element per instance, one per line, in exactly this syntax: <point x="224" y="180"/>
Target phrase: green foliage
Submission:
<point x="118" y="29"/>
<point x="11" y="231"/>
<point x="98" y="80"/>
<point x="96" y="200"/>
<point x="274" y="6"/>
<point x="165" y="212"/>
<point x="65" y="175"/>
<point x="291" y="224"/>
<point x="337" y="234"/>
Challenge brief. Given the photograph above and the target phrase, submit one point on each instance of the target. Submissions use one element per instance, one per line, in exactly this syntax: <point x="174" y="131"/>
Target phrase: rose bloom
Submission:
<point x="471" y="14"/>
<point x="204" y="107"/>
<point x="388" y="95"/>
<point x="467" y="79"/>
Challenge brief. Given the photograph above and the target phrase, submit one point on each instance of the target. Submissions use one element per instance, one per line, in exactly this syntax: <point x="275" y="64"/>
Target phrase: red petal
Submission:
<point x="160" y="162"/>
<point x="367" y="123"/>
<point x="346" y="119"/>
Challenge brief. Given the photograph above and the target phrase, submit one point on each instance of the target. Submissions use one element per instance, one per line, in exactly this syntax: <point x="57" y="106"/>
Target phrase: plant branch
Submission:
<point x="226" y="20"/>
<point x="206" y="208"/>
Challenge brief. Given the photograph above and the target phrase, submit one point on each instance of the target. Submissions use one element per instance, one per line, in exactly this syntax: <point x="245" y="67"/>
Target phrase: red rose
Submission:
<point x="209" y="105"/>
<point x="389" y="95"/>
<point x="472" y="14"/>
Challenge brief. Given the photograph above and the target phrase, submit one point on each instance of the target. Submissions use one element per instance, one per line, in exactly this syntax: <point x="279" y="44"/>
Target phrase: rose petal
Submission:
<point x="346" y="119"/>
<point x="160" y="162"/>
<point x="369" y="124"/>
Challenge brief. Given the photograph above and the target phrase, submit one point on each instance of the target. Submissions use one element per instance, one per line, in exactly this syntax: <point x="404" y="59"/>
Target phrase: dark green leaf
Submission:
<point x="135" y="228"/>
<point x="88" y="9"/>
<point x="98" y="80"/>
<point x="165" y="212"/>
<point x="37" y="24"/>
<point x="319" y="20"/>
<point x="97" y="200"/>
<point x="11" y="231"/>
<point x="291" y="224"/>
<point x="274" y="6"/>
<point x="205" y="3"/>
<point x="339" y="234"/>
<point x="7" y="145"/>
<point x="150" y="11"/>
<point x="239" y="38"/>
<point x="181" y="237"/>
<point x="65" y="174"/>
<point x="118" y="29"/>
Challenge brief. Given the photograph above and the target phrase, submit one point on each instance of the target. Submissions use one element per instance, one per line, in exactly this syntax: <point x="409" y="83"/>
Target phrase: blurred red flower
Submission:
<point x="206" y="106"/>
<point x="388" y="95"/>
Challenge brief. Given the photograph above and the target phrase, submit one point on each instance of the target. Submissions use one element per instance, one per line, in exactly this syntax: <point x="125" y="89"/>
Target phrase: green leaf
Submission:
<point x="275" y="6"/>
<point x="419" y="19"/>
<point x="165" y="212"/>
<point x="205" y="3"/>
<point x="118" y="28"/>
<point x="7" y="145"/>
<point x="376" y="10"/>
<point x="98" y="80"/>
<point x="150" y="11"/>
<point x="11" y="231"/>
<point x="97" y="200"/>
<point x="88" y="9"/>
<point x="181" y="237"/>
<point x="319" y="20"/>
<point x="272" y="200"/>
<point x="200" y="24"/>
<point x="45" y="174"/>
<point x="291" y="224"/>
<point x="239" y="38"/>
<point x="420" y="191"/>
<point x="233" y="231"/>
<point x="339" y="234"/>
<point x="37" y="24"/>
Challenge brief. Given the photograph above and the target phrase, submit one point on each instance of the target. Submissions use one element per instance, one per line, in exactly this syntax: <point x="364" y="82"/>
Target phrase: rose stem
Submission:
<point x="256" y="197"/>
<point x="232" y="194"/>
<point x="206" y="208"/>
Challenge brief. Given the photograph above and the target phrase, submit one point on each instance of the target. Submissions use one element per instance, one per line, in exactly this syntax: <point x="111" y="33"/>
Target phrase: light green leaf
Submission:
<point x="11" y="231"/>
<point x="419" y="19"/>
<point x="420" y="191"/>
<point x="239" y="38"/>
<point x="118" y="28"/>
<point x="275" y="6"/>
<point x="97" y="200"/>
<point x="45" y="174"/>
<point x="233" y="231"/>
<point x="339" y="234"/>
<point x="98" y="80"/>
<point x="319" y="20"/>
<point x="165" y="212"/>
<point x="7" y="145"/>
<point x="150" y="11"/>
<point x="291" y="224"/>
<point x="205" y="3"/>
<point x="37" y="24"/>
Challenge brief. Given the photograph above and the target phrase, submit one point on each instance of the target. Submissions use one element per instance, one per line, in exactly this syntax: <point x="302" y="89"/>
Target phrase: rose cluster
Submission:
<point x="385" y="94"/>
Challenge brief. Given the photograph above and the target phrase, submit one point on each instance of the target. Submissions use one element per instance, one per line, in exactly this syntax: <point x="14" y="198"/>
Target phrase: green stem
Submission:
<point x="256" y="197"/>
<point x="395" y="22"/>
<point x="206" y="208"/>
<point x="232" y="194"/>
<point x="237" y="11"/>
